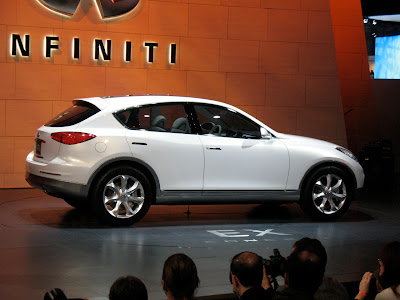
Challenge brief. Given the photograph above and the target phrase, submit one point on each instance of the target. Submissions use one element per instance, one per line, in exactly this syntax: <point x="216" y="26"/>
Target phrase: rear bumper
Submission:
<point x="56" y="188"/>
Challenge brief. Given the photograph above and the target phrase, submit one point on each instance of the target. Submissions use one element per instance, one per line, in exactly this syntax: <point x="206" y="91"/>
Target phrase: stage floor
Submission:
<point x="46" y="244"/>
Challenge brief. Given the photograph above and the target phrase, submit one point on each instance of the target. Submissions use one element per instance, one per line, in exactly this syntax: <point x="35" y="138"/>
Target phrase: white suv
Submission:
<point x="119" y="155"/>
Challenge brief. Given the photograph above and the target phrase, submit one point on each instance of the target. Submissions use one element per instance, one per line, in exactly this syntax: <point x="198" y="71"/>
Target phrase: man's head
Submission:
<point x="314" y="247"/>
<point x="246" y="271"/>
<point x="129" y="287"/>
<point x="179" y="276"/>
<point x="305" y="266"/>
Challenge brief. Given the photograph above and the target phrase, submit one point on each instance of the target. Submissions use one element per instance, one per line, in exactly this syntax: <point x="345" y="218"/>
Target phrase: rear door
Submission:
<point x="160" y="136"/>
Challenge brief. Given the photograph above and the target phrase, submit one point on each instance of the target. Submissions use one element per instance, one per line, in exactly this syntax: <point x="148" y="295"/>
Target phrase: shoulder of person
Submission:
<point x="386" y="294"/>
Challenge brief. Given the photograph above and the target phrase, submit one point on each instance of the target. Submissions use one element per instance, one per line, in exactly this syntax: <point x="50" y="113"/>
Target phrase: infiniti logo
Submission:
<point x="107" y="8"/>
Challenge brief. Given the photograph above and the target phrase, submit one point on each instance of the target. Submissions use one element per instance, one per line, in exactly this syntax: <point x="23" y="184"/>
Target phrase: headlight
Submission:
<point x="347" y="152"/>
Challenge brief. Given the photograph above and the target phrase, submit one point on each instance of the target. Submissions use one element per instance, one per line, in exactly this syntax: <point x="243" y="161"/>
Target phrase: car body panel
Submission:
<point x="176" y="158"/>
<point x="262" y="164"/>
<point x="307" y="153"/>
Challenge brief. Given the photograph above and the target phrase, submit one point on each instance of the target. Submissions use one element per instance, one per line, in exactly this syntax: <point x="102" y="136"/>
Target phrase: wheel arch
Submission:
<point x="314" y="168"/>
<point x="128" y="162"/>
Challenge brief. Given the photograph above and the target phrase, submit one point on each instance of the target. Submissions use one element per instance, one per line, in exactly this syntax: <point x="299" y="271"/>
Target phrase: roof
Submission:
<point x="122" y="102"/>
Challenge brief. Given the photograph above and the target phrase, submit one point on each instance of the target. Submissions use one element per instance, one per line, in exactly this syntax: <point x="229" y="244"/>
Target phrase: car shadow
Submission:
<point x="179" y="215"/>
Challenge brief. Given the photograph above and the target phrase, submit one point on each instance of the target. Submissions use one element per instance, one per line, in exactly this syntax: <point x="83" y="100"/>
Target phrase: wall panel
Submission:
<point x="208" y="21"/>
<point x="209" y="85"/>
<point x="274" y="59"/>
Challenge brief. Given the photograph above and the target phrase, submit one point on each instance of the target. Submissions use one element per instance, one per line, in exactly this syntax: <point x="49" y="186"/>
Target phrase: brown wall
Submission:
<point x="274" y="59"/>
<point x="355" y="82"/>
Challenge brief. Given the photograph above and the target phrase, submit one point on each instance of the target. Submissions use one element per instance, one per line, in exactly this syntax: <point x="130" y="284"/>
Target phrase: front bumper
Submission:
<point x="56" y="188"/>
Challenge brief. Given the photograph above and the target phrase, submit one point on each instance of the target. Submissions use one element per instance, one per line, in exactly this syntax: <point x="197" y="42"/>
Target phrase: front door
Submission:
<point x="235" y="155"/>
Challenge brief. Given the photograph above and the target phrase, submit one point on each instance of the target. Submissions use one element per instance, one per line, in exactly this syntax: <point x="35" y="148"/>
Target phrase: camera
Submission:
<point x="58" y="294"/>
<point x="276" y="265"/>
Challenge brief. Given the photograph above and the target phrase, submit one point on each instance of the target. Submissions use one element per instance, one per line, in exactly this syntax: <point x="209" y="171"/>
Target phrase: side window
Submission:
<point x="224" y="122"/>
<point x="162" y="118"/>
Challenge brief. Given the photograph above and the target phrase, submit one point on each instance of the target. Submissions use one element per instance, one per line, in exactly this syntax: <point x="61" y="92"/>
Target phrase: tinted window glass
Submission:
<point x="163" y="118"/>
<point x="77" y="113"/>
<point x="223" y="122"/>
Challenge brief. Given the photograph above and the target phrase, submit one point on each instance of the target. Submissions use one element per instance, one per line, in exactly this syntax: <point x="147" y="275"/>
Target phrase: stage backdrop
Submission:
<point x="274" y="59"/>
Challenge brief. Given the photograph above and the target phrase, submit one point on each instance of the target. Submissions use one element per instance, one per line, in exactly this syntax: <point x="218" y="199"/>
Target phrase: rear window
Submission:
<point x="77" y="113"/>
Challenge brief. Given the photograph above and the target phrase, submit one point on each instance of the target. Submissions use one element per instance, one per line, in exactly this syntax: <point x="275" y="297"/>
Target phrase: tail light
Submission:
<point x="71" y="138"/>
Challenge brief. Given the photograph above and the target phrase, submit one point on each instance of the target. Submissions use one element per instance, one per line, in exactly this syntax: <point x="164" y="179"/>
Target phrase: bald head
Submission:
<point x="248" y="268"/>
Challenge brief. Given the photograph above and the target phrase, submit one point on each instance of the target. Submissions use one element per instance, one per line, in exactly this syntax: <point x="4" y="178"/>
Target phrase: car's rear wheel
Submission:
<point x="122" y="196"/>
<point x="327" y="194"/>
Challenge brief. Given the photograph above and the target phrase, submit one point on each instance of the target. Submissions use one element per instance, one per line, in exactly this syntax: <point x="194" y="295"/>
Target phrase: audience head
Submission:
<point x="246" y="271"/>
<point x="312" y="246"/>
<point x="128" y="288"/>
<point x="305" y="267"/>
<point x="389" y="261"/>
<point x="179" y="277"/>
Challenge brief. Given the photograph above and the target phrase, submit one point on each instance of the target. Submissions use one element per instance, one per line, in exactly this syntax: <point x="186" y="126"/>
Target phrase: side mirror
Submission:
<point x="265" y="134"/>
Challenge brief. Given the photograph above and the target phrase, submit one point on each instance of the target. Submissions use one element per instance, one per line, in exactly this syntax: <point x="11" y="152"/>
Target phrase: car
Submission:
<point x="117" y="156"/>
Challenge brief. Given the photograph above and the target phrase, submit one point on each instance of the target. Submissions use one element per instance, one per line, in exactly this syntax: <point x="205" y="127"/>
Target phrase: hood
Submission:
<point x="295" y="139"/>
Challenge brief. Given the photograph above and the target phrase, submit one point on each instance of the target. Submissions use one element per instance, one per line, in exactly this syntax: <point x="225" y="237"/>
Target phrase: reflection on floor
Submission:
<point x="46" y="244"/>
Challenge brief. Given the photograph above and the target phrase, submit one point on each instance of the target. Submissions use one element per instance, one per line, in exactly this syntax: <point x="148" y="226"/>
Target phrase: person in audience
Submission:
<point x="364" y="286"/>
<point x="304" y="271"/>
<point x="179" y="277"/>
<point x="314" y="247"/>
<point x="128" y="288"/>
<point x="330" y="288"/>
<point x="303" y="276"/>
<point x="246" y="275"/>
<point x="388" y="281"/>
<point x="389" y="271"/>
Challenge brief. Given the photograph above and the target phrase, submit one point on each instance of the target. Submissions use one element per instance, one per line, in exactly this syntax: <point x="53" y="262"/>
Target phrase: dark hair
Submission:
<point x="248" y="268"/>
<point x="390" y="257"/>
<point x="128" y="288"/>
<point x="180" y="276"/>
<point x="312" y="246"/>
<point x="305" y="271"/>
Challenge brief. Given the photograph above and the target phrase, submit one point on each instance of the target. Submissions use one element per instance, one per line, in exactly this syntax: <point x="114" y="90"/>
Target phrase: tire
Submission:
<point x="77" y="203"/>
<point x="121" y="197"/>
<point x="327" y="194"/>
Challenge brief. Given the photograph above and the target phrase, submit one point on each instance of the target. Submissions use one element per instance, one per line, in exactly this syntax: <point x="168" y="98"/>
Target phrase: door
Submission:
<point x="236" y="157"/>
<point x="161" y="137"/>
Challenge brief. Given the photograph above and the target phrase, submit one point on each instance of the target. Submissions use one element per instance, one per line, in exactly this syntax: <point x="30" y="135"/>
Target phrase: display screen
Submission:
<point x="387" y="57"/>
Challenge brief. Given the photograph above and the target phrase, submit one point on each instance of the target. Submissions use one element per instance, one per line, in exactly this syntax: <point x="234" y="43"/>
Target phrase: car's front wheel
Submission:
<point x="122" y="196"/>
<point x="327" y="194"/>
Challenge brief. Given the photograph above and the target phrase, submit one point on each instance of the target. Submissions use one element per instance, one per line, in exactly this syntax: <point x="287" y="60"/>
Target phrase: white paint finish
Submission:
<point x="177" y="158"/>
<point x="185" y="161"/>
<point x="244" y="164"/>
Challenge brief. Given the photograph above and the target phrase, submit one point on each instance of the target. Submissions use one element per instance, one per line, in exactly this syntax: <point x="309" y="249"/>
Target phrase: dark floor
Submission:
<point x="46" y="244"/>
